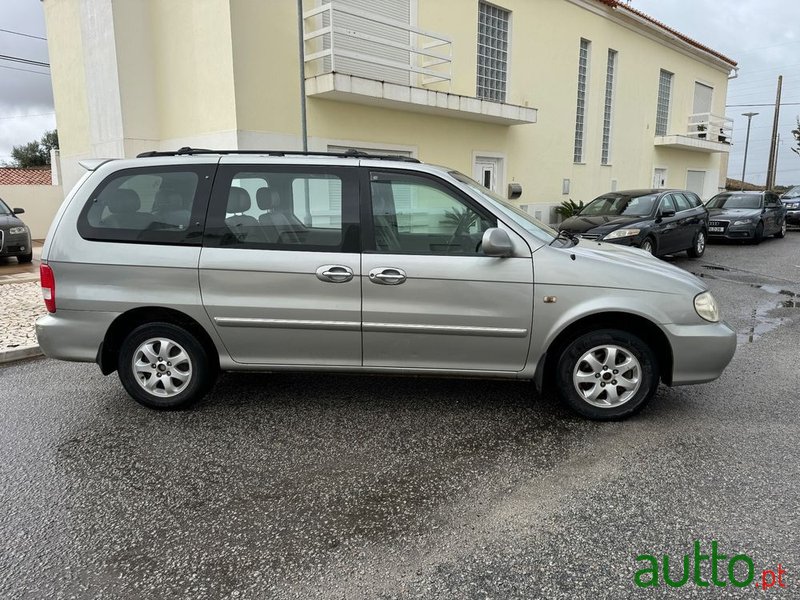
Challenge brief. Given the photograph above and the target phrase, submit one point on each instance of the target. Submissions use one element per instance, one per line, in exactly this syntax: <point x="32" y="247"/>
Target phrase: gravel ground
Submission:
<point x="20" y="305"/>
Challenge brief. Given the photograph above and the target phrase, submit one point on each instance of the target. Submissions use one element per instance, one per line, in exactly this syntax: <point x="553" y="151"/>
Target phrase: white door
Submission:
<point x="696" y="181"/>
<point x="659" y="178"/>
<point x="486" y="172"/>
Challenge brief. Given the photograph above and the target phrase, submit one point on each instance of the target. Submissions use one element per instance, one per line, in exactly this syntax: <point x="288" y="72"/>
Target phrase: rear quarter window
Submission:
<point x="155" y="205"/>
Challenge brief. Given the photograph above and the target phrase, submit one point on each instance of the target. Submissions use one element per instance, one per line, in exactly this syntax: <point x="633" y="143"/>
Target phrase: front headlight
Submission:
<point x="621" y="233"/>
<point x="743" y="222"/>
<point x="706" y="307"/>
<point x="16" y="230"/>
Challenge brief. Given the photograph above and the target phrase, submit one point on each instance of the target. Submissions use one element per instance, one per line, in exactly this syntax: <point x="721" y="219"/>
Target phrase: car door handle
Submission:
<point x="387" y="276"/>
<point x="334" y="273"/>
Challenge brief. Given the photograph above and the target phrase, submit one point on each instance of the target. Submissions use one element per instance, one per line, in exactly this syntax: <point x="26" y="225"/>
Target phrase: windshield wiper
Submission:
<point x="563" y="234"/>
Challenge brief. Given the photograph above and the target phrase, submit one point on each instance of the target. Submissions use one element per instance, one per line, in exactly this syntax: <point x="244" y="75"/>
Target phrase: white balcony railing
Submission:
<point x="710" y="127"/>
<point x="340" y="39"/>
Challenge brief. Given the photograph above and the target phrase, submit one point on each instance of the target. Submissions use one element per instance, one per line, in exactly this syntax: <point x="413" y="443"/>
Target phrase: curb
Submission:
<point x="12" y="279"/>
<point x="14" y="354"/>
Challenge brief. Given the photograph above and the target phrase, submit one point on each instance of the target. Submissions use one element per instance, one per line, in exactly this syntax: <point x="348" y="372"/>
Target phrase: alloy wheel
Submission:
<point x="607" y="376"/>
<point x="162" y="367"/>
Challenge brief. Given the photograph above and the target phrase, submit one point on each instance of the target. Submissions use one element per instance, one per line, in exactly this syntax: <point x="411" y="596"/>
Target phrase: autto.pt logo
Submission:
<point x="706" y="568"/>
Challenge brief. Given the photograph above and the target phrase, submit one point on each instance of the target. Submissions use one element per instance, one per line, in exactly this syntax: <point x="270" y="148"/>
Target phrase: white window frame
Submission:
<point x="581" y="104"/>
<point x="608" y="106"/>
<point x="502" y="94"/>
<point x="669" y="102"/>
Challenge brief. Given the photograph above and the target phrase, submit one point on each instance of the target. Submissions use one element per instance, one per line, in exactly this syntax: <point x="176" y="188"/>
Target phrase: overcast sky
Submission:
<point x="761" y="35"/>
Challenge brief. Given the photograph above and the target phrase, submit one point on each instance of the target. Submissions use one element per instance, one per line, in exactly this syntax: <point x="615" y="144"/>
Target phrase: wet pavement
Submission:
<point x="11" y="271"/>
<point x="334" y="486"/>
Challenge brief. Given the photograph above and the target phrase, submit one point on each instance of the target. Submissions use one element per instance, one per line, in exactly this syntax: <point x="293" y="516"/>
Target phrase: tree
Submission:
<point x="36" y="153"/>
<point x="796" y="134"/>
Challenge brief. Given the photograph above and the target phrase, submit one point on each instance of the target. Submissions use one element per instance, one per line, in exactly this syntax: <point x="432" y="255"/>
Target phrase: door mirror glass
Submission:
<point x="667" y="212"/>
<point x="19" y="211"/>
<point x="496" y="242"/>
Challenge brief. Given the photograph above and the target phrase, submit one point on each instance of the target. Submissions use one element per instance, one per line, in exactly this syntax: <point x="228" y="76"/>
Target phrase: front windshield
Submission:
<point x="793" y="193"/>
<point x="4" y="210"/>
<point x="516" y="214"/>
<point x="735" y="201"/>
<point x="619" y="205"/>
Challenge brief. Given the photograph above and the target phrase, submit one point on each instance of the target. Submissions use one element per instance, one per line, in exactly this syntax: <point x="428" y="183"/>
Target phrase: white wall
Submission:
<point x="40" y="203"/>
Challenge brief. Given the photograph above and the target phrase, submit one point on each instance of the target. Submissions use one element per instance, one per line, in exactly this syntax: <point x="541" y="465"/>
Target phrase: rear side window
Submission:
<point x="156" y="205"/>
<point x="284" y="208"/>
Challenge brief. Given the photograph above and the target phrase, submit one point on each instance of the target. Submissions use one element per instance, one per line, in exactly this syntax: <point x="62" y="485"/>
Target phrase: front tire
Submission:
<point x="698" y="245"/>
<point x="607" y="375"/>
<point x="782" y="232"/>
<point x="163" y="366"/>
<point x="758" y="236"/>
<point x="649" y="245"/>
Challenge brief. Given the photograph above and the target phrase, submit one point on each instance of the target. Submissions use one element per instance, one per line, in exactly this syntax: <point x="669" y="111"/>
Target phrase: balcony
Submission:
<point x="705" y="132"/>
<point x="366" y="58"/>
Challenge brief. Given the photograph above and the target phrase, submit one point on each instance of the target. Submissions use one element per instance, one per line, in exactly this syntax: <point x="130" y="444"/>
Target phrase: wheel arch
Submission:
<point x="128" y="321"/>
<point x="647" y="330"/>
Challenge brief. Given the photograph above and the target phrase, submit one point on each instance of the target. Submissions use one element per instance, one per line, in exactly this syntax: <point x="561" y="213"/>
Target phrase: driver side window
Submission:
<point x="414" y="215"/>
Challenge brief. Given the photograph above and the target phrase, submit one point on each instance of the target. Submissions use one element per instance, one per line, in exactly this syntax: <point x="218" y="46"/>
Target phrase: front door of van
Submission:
<point x="431" y="299"/>
<point x="280" y="272"/>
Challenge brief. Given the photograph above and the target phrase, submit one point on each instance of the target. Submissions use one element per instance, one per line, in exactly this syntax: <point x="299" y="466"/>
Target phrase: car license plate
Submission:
<point x="716" y="229"/>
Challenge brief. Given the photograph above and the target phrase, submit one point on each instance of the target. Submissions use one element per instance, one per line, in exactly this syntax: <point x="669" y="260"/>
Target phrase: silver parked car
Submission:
<point x="173" y="266"/>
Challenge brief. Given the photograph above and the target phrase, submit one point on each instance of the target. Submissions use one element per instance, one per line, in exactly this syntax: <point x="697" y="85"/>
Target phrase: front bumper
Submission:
<point x="73" y="334"/>
<point x="18" y="244"/>
<point x="734" y="232"/>
<point x="793" y="217"/>
<point x="700" y="352"/>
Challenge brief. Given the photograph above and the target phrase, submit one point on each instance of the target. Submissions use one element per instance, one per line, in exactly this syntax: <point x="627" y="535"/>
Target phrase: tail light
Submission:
<point x="48" y="287"/>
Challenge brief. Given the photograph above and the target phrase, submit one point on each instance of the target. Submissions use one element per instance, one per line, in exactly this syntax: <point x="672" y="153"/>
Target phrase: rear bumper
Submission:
<point x="73" y="334"/>
<point x="700" y="352"/>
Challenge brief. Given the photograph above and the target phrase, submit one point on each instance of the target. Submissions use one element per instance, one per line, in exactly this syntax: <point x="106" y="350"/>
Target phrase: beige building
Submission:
<point x="568" y="98"/>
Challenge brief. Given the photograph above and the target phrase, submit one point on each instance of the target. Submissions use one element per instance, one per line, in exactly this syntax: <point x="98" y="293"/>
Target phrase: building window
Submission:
<point x="608" y="109"/>
<point x="492" y="52"/>
<point x="580" y="117"/>
<point x="664" y="94"/>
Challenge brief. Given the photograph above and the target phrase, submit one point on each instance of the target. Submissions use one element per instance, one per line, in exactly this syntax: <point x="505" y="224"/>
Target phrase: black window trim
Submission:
<point x="349" y="175"/>
<point x="368" y="231"/>
<point x="193" y="236"/>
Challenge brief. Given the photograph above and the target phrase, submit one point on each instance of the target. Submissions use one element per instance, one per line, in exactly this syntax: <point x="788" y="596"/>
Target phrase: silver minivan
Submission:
<point x="172" y="266"/>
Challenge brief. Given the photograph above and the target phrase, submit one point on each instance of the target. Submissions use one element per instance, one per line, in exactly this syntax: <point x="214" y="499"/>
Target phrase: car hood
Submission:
<point x="614" y="266"/>
<point x="7" y="221"/>
<point x="732" y="213"/>
<point x="579" y="224"/>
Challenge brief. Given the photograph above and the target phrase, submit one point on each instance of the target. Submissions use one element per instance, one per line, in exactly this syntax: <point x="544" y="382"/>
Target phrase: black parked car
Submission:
<point x="15" y="237"/>
<point x="791" y="202"/>
<point x="749" y="216"/>
<point x="658" y="221"/>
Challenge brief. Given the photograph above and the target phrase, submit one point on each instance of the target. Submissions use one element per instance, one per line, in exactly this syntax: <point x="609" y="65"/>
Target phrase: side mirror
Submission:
<point x="496" y="242"/>
<point x="19" y="211"/>
<point x="667" y="213"/>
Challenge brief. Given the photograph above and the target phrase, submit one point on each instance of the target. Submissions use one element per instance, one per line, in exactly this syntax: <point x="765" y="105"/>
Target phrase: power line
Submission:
<point x="25" y="61"/>
<point x="27" y="35"/>
<point x="24" y="116"/>
<point x="26" y="70"/>
<point x="756" y="105"/>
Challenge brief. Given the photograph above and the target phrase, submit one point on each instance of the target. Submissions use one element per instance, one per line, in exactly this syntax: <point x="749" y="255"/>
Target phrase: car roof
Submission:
<point x="644" y="192"/>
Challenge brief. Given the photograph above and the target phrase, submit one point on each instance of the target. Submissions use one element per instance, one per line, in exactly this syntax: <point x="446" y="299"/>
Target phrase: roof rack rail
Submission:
<point x="351" y="153"/>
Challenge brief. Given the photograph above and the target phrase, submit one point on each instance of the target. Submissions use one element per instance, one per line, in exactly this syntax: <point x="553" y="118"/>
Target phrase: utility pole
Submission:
<point x="302" y="57"/>
<point x="775" y="161"/>
<point x="749" y="116"/>
<point x="772" y="146"/>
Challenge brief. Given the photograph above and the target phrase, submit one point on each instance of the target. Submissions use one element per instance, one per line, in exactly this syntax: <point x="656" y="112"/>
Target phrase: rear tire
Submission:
<point x="163" y="366"/>
<point x="25" y="258"/>
<point x="698" y="245"/>
<point x="607" y="375"/>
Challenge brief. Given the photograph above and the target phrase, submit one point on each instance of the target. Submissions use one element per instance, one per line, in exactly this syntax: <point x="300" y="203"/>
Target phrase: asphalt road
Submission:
<point x="306" y="486"/>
